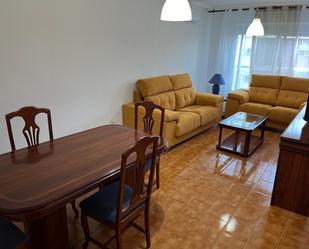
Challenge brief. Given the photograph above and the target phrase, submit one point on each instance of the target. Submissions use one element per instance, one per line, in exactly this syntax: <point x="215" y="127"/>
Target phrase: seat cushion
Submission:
<point x="156" y="85"/>
<point x="263" y="95"/>
<point x="207" y="113"/>
<point x="255" y="108"/>
<point x="291" y="99"/>
<point x="184" y="97"/>
<point x="180" y="81"/>
<point x="282" y="114"/>
<point x="166" y="100"/>
<point x="103" y="204"/>
<point x="187" y="122"/>
<point x="10" y="235"/>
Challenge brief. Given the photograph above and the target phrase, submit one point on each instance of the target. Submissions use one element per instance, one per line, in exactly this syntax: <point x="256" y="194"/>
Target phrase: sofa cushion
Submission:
<point x="156" y="85"/>
<point x="207" y="113"/>
<point x="263" y="95"/>
<point x="295" y="84"/>
<point x="166" y="100"/>
<point x="187" y="122"/>
<point x="291" y="99"/>
<point x="184" y="97"/>
<point x="255" y="108"/>
<point x="282" y="114"/>
<point x="180" y="81"/>
<point x="268" y="81"/>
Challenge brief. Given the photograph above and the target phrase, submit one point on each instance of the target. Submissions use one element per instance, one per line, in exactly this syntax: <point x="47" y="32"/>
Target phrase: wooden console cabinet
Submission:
<point x="291" y="188"/>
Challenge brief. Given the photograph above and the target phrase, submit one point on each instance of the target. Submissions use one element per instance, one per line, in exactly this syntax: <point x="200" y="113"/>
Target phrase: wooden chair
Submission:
<point x="31" y="130"/>
<point x="148" y="122"/>
<point x="11" y="237"/>
<point x="120" y="203"/>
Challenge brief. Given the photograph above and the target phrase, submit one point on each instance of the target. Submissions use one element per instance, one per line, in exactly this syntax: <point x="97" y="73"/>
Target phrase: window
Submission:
<point x="282" y="55"/>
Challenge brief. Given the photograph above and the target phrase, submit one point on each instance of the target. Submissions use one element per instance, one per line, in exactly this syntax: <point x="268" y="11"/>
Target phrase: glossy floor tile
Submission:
<point x="212" y="199"/>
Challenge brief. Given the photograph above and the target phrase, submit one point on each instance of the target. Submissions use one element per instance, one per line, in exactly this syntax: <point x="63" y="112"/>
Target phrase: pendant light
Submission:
<point x="176" y="11"/>
<point x="256" y="28"/>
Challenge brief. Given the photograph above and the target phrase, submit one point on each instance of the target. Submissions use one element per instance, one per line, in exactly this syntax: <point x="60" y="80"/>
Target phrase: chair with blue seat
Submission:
<point x="120" y="203"/>
<point x="11" y="237"/>
<point x="148" y="124"/>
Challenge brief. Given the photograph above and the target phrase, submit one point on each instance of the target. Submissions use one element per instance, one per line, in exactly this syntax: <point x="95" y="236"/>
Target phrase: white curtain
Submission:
<point x="276" y="52"/>
<point x="233" y="24"/>
<point x="283" y="50"/>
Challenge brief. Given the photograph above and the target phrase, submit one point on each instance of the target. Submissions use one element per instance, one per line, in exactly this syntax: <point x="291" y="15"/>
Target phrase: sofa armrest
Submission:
<point x="302" y="105"/>
<point x="208" y="99"/>
<point x="240" y="95"/>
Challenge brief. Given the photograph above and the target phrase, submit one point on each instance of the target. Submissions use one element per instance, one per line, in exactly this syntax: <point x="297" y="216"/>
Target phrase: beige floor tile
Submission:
<point x="239" y="229"/>
<point x="222" y="210"/>
<point x="227" y="241"/>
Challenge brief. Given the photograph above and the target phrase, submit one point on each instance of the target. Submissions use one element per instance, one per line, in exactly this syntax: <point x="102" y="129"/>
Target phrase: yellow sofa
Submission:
<point x="187" y="112"/>
<point x="278" y="97"/>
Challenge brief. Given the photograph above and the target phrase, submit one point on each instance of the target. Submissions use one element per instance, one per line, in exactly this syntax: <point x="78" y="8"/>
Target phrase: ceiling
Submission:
<point x="219" y="4"/>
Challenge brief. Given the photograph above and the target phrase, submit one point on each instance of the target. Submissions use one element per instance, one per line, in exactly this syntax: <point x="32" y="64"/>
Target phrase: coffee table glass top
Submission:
<point x="244" y="121"/>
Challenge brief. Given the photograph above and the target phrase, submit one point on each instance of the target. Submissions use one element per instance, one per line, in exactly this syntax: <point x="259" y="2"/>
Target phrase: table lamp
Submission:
<point x="216" y="80"/>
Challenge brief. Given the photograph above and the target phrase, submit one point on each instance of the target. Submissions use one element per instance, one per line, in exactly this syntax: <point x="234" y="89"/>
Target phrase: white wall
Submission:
<point x="80" y="58"/>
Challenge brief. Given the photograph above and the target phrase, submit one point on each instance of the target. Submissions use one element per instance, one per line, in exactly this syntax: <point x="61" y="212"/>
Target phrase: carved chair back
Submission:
<point x="148" y="119"/>
<point x="31" y="130"/>
<point x="134" y="176"/>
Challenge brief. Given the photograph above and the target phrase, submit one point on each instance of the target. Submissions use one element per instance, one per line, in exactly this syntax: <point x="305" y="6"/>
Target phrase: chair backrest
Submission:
<point x="133" y="174"/>
<point x="31" y="130"/>
<point x="148" y="118"/>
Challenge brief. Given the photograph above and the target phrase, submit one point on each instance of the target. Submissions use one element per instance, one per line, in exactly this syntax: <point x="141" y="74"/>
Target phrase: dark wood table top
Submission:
<point x="36" y="180"/>
<point x="298" y="130"/>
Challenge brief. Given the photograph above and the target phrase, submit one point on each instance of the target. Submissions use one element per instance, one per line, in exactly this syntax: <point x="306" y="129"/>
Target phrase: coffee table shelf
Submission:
<point x="242" y="142"/>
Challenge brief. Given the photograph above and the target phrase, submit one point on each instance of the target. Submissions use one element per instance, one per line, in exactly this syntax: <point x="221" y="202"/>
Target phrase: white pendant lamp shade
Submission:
<point x="256" y="28"/>
<point x="176" y="11"/>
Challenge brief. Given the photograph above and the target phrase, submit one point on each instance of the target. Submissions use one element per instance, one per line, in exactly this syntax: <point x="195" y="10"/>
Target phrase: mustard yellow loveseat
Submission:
<point x="187" y="112"/>
<point x="278" y="97"/>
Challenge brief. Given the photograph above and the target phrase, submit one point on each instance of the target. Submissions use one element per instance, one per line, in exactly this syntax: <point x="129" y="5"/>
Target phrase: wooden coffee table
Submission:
<point x="242" y="142"/>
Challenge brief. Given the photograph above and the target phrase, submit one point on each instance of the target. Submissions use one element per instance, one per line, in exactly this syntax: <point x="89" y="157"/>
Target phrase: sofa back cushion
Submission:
<point x="152" y="86"/>
<point x="263" y="95"/>
<point x="295" y="84"/>
<point x="291" y="99"/>
<point x="184" y="97"/>
<point x="267" y="81"/>
<point x="180" y="81"/>
<point x="264" y="89"/>
<point x="294" y="92"/>
<point x="166" y="100"/>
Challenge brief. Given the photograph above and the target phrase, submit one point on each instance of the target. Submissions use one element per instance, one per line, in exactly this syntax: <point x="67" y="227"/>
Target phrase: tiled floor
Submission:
<point x="211" y="199"/>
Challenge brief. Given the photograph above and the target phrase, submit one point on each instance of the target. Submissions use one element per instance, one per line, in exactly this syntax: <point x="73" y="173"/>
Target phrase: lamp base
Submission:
<point x="215" y="89"/>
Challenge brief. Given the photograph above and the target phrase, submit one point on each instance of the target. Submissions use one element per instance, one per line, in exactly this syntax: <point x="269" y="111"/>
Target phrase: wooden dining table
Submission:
<point x="36" y="183"/>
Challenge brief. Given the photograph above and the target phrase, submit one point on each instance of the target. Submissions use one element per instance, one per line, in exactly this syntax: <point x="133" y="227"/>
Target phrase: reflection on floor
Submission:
<point x="212" y="199"/>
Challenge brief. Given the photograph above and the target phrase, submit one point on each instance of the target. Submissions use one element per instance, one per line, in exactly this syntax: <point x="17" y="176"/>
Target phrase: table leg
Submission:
<point x="49" y="232"/>
<point x="247" y="144"/>
<point x="263" y="130"/>
<point x="220" y="138"/>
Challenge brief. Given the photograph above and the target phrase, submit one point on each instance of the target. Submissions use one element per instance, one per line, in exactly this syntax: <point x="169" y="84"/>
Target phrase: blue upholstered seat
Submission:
<point x="10" y="235"/>
<point x="103" y="204"/>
